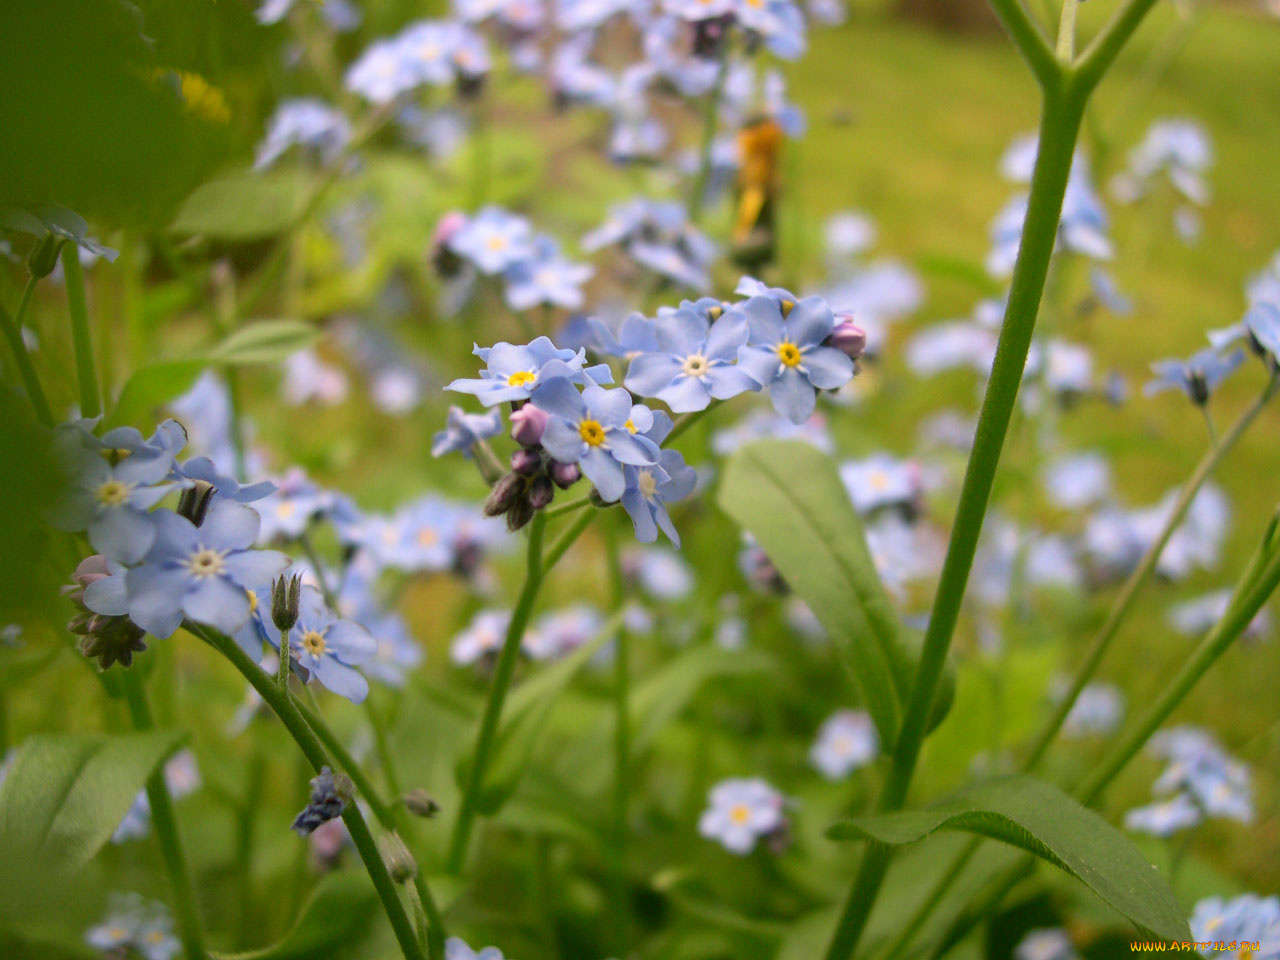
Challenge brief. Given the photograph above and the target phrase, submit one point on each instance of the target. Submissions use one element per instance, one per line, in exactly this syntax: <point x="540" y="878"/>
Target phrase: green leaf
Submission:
<point x="337" y="915"/>
<point x="526" y="713"/>
<point x="242" y="207"/>
<point x="150" y="387"/>
<point x="264" y="341"/>
<point x="1037" y="817"/>
<point x="790" y="497"/>
<point x="66" y="794"/>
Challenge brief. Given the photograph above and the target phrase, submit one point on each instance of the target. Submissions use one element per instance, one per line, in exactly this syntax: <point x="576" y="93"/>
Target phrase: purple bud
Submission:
<point x="527" y="425"/>
<point x="505" y="493"/>
<point x="526" y="462"/>
<point x="849" y="338"/>
<point x="541" y="492"/>
<point x="565" y="475"/>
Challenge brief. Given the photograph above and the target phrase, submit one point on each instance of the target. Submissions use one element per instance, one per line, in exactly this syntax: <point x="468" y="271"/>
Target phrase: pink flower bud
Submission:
<point x="565" y="475"/>
<point x="849" y="338"/>
<point x="527" y="425"/>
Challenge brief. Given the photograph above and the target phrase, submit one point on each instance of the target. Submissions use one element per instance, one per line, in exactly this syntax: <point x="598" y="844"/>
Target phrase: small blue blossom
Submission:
<point x="1246" y="919"/>
<point x="200" y="572"/>
<point x="383" y="72"/>
<point x="1097" y="711"/>
<point x="662" y="574"/>
<point x="546" y="278"/>
<point x="512" y="372"/>
<point x="326" y="647"/>
<point x="647" y="494"/>
<point x="1047" y="944"/>
<point x="741" y="812"/>
<point x="204" y="470"/>
<point x="115" y="481"/>
<point x="785" y="355"/>
<point x="1197" y="376"/>
<point x="482" y="637"/>
<point x="133" y="923"/>
<point x="561" y="632"/>
<point x="1076" y="481"/>
<point x="493" y="240"/>
<point x="464" y="430"/>
<point x="881" y="480"/>
<point x="846" y="741"/>
<point x="590" y="429"/>
<point x="456" y="949"/>
<point x="952" y="345"/>
<point x="1179" y="148"/>
<point x="1082" y="228"/>
<point x="778" y="22"/>
<point x="694" y="360"/>
<point x="308" y="123"/>
<point x="636" y="335"/>
<point x="1164" y="817"/>
<point x="287" y="512"/>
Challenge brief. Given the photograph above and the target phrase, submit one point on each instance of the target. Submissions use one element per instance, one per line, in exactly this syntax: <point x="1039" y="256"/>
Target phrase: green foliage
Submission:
<point x="789" y="496"/>
<point x="242" y="207"/>
<point x="336" y="918"/>
<point x="1037" y="817"/>
<point x="66" y="794"/>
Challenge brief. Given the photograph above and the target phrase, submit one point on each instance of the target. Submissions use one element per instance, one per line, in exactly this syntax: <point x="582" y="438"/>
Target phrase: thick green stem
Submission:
<point x="22" y="359"/>
<point x="284" y="707"/>
<point x="185" y="911"/>
<point x="1059" y="127"/>
<point x="498" y="688"/>
<point x="86" y="368"/>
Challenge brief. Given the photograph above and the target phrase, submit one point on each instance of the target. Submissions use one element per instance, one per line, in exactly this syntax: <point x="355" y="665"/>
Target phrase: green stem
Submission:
<point x="31" y="382"/>
<point x="710" y="124"/>
<point x="565" y="541"/>
<point x="1059" y="127"/>
<point x="1067" y="32"/>
<point x="1030" y="42"/>
<point x="622" y="748"/>
<point x="24" y="304"/>
<point x="284" y="707"/>
<point x="498" y="688"/>
<point x="190" y="931"/>
<point x="86" y="368"/>
<point x="563" y="508"/>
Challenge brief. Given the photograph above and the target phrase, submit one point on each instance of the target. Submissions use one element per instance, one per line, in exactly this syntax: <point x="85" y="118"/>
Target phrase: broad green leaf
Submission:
<point x="264" y="341"/>
<point x="66" y="794"/>
<point x="790" y="497"/>
<point x="526" y="712"/>
<point x="1037" y="817"/>
<point x="336" y="917"/>
<point x="150" y="387"/>
<point x="243" y="207"/>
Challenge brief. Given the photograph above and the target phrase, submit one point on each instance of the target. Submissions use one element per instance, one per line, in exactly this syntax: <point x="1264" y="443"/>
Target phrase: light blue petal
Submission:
<point x="350" y="643"/>
<point x="759" y="363"/>
<point x="610" y="407"/>
<point x="635" y="450"/>
<point x="650" y="373"/>
<point x="155" y="598"/>
<point x="685" y="395"/>
<point x="764" y="320"/>
<point x="122" y="533"/>
<point x="255" y="568"/>
<point x="603" y="471"/>
<point x="560" y="398"/>
<point x="792" y="396"/>
<point x="218" y="602"/>
<point x="563" y="441"/>
<point x="827" y="368"/>
<point x="340" y="679"/>
<point x="229" y="525"/>
<point x="726" y="336"/>
<point x="641" y="517"/>
<point x="725" y="382"/>
<point x="810" y="322"/>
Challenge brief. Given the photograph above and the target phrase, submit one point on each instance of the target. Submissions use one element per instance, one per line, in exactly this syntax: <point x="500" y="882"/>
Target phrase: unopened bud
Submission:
<point x="849" y="338"/>
<point x="520" y="513"/>
<point x="330" y="794"/>
<point x="421" y="804"/>
<point x="526" y="462"/>
<point x="527" y="425"/>
<point x="45" y="256"/>
<point x="194" y="501"/>
<point x="564" y="475"/>
<point x="399" y="861"/>
<point x="541" y="492"/>
<point x="504" y="494"/>
<point x="286" y="597"/>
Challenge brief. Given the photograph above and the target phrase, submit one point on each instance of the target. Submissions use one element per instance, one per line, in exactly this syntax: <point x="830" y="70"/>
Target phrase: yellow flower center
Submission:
<point x="114" y="455"/>
<point x="630" y="425"/>
<point x="253" y="600"/>
<point x="879" y="481"/>
<point x="740" y="814"/>
<point x="695" y="365"/>
<point x="286" y="509"/>
<point x="427" y="537"/>
<point x="313" y="643"/>
<point x="113" y="493"/>
<point x="591" y="432"/>
<point x="715" y="312"/>
<point x="789" y="354"/>
<point x="206" y="563"/>
<point x="496" y="242"/>
<point x="787" y="306"/>
<point x="647" y="483"/>
<point x="155" y="936"/>
<point x="521" y="378"/>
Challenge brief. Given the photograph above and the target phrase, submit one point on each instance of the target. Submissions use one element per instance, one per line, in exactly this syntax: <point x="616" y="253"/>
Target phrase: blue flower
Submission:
<point x="1197" y="376"/>
<point x="289" y="509"/>
<point x="305" y="122"/>
<point x="694" y="359"/>
<point x="1047" y="944"/>
<point x="200" y="572"/>
<point x="326" y="647"/>
<point x="846" y="741"/>
<point x="455" y="949"/>
<point x="546" y="278"/>
<point x="463" y="430"/>
<point x="134" y="923"/>
<point x="383" y="72"/>
<point x="590" y="429"/>
<point x="1164" y="817"/>
<point x="1247" y="918"/>
<point x="493" y="240"/>
<point x="648" y="493"/>
<point x="428" y="47"/>
<point x="512" y="372"/>
<point x="785" y="354"/>
<point x="204" y="470"/>
<point x="115" y="481"/>
<point x="636" y="335"/>
<point x="779" y="22"/>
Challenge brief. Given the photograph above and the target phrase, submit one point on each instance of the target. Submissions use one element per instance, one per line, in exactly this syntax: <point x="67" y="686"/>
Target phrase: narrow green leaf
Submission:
<point x="336" y="917"/>
<point x="790" y="497"/>
<point x="264" y="341"/>
<point x="66" y="794"/>
<point x="242" y="207"/>
<point x="150" y="387"/>
<point x="1039" y="818"/>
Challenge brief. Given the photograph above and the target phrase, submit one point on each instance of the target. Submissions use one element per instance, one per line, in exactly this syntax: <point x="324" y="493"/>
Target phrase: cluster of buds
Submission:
<point x="534" y="476"/>
<point x="107" y="639"/>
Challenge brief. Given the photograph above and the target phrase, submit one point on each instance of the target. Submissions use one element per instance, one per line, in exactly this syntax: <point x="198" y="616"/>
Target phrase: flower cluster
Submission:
<point x="1200" y="781"/>
<point x="1239" y="924"/>
<point x="135" y="924"/>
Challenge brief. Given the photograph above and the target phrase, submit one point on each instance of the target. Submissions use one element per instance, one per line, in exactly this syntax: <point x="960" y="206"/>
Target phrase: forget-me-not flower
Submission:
<point x="1196" y="376"/>
<point x="741" y="812"/>
<point x="512" y="371"/>
<point x="327" y="647"/>
<point x="785" y="352"/>
<point x="547" y="277"/>
<point x="846" y="741"/>
<point x="694" y="360"/>
<point x="463" y="430"/>
<point x="494" y="239"/>
<point x="650" y="489"/>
